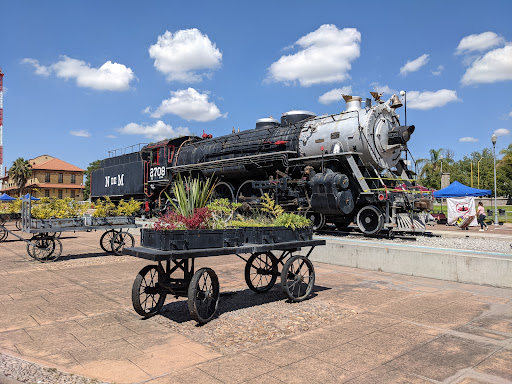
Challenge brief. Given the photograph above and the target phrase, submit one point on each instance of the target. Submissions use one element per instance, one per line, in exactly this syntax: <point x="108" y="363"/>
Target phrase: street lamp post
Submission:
<point x="494" y="139"/>
<point x="404" y="94"/>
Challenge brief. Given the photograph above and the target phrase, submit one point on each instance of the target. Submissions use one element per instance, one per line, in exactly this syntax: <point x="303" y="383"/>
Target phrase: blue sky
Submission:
<point x="84" y="77"/>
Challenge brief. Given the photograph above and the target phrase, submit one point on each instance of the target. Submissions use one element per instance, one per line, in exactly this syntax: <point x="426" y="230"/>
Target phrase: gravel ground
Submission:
<point x="481" y="244"/>
<point x="26" y="372"/>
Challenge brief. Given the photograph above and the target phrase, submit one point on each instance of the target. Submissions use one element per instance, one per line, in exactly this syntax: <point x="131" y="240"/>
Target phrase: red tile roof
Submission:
<point x="56" y="186"/>
<point x="57" y="165"/>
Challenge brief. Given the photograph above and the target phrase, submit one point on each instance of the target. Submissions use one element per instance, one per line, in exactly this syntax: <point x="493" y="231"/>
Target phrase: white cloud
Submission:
<point x="494" y="66"/>
<point x="510" y="114"/>
<point x="325" y="57"/>
<point x="414" y="65"/>
<point x="385" y="89"/>
<point x="80" y="133"/>
<point x="189" y="105"/>
<point x="335" y="95"/>
<point x="181" y="55"/>
<point x="479" y="42"/>
<point x="111" y="137"/>
<point x="501" y="132"/>
<point x="468" y="139"/>
<point x="428" y="100"/>
<point x="39" y="69"/>
<point x="157" y="131"/>
<point x="109" y="77"/>
<point x="438" y="71"/>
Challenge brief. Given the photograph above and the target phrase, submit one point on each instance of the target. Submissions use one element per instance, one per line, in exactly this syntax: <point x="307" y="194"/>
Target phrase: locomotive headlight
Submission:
<point x="336" y="148"/>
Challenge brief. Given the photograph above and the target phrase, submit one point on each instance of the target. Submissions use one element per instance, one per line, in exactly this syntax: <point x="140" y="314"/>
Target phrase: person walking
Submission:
<point x="480" y="213"/>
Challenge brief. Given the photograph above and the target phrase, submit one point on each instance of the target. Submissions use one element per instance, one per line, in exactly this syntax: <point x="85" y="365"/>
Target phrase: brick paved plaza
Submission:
<point x="361" y="326"/>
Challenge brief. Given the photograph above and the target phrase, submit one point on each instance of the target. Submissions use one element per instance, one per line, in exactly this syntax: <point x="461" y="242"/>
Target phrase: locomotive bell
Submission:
<point x="395" y="102"/>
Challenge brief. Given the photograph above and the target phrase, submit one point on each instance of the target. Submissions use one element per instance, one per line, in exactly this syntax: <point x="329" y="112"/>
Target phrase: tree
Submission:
<point x="20" y="172"/>
<point x="504" y="171"/>
<point x="92" y="166"/>
<point x="430" y="169"/>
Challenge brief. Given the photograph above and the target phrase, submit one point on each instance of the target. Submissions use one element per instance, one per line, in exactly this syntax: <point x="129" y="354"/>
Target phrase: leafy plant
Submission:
<point x="104" y="208"/>
<point x="222" y="212"/>
<point x="270" y="206"/>
<point x="173" y="220"/>
<point x="191" y="194"/>
<point x="292" y="220"/>
<point x="128" y="208"/>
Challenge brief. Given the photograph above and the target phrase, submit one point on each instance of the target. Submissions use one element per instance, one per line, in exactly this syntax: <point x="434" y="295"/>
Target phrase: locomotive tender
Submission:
<point x="339" y="168"/>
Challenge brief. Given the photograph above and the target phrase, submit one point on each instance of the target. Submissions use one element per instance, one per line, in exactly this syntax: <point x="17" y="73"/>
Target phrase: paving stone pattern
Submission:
<point x="72" y="322"/>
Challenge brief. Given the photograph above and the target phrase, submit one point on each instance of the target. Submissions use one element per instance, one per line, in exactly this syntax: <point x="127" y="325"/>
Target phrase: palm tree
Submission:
<point x="20" y="172"/>
<point x="431" y="168"/>
<point x="507" y="156"/>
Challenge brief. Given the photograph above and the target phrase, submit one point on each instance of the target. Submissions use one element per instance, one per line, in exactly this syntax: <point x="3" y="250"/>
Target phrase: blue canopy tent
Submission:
<point x="6" y="197"/>
<point x="27" y="196"/>
<point x="457" y="189"/>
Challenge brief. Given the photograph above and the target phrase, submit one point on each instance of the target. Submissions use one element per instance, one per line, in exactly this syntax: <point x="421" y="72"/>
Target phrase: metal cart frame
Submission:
<point x="174" y="275"/>
<point x="46" y="246"/>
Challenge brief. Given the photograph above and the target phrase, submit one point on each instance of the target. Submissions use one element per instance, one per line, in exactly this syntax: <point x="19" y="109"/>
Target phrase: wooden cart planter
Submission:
<point x="174" y="274"/>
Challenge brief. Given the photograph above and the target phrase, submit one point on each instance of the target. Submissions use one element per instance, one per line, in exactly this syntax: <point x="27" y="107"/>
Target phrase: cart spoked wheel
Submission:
<point x="147" y="295"/>
<point x="44" y="248"/>
<point x="18" y="225"/>
<point x="203" y="295"/>
<point x="261" y="271"/>
<point x="3" y="233"/>
<point x="298" y="278"/>
<point x="121" y="240"/>
<point x="106" y="240"/>
<point x="54" y="234"/>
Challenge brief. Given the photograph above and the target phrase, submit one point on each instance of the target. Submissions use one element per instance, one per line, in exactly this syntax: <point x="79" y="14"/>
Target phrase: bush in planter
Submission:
<point x="191" y="194"/>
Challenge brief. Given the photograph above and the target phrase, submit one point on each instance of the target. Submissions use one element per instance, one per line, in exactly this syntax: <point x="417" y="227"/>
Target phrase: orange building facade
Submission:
<point x="51" y="177"/>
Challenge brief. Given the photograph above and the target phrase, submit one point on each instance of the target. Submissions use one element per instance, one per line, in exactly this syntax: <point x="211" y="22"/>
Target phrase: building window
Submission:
<point x="72" y="194"/>
<point x="73" y="179"/>
<point x="46" y="193"/>
<point x="47" y="177"/>
<point x="60" y="194"/>
<point x="61" y="177"/>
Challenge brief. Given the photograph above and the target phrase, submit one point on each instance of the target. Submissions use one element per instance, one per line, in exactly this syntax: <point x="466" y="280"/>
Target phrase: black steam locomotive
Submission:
<point x="339" y="168"/>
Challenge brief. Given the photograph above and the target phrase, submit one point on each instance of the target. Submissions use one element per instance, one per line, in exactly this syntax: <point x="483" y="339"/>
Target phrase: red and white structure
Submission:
<point x="1" y="124"/>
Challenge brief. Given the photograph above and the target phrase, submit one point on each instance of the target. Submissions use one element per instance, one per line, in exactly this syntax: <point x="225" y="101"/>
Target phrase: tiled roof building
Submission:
<point x="51" y="177"/>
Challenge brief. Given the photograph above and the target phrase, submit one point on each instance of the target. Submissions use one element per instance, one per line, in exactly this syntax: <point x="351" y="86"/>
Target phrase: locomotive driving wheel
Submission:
<point x="318" y="219"/>
<point x="223" y="190"/>
<point x="247" y="194"/>
<point x="370" y="220"/>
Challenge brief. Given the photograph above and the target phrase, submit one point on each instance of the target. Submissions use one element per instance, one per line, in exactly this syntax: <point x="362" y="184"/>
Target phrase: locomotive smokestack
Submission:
<point x="353" y="102"/>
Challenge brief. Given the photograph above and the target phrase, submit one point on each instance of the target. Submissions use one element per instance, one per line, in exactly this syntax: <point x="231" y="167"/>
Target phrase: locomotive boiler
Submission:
<point x="340" y="168"/>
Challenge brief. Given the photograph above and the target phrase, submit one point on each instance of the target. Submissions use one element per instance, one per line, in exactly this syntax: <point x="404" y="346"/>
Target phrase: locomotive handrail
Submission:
<point x="237" y="160"/>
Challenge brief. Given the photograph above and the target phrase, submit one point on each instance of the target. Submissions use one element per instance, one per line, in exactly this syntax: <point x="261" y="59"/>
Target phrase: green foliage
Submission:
<point x="222" y="212"/>
<point x="59" y="208"/>
<point x="92" y="166"/>
<point x="128" y="208"/>
<point x="190" y="194"/>
<point x="104" y="208"/>
<point x="269" y="206"/>
<point x="292" y="220"/>
<point x="20" y="172"/>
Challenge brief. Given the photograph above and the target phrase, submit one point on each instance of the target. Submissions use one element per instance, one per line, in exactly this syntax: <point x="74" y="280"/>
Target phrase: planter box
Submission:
<point x="56" y="223"/>
<point x="112" y="220"/>
<point x="218" y="238"/>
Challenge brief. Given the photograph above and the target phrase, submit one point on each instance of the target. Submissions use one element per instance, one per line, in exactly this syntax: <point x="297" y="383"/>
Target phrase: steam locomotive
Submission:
<point x="337" y="169"/>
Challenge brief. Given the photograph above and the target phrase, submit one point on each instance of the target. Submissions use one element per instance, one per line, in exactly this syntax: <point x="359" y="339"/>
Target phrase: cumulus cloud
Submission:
<point x="157" y="131"/>
<point x="111" y="137"/>
<point x="80" y="133"/>
<point x="385" y="89"/>
<point x="38" y="69"/>
<point x="428" y="100"/>
<point x="189" y="104"/>
<point x="414" y="65"/>
<point x="335" y="95"/>
<point x="325" y="56"/>
<point x="468" y="139"/>
<point x="180" y="56"/>
<point x="501" y="132"/>
<point x="479" y="42"/>
<point x="109" y="77"/>
<point x="494" y="66"/>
